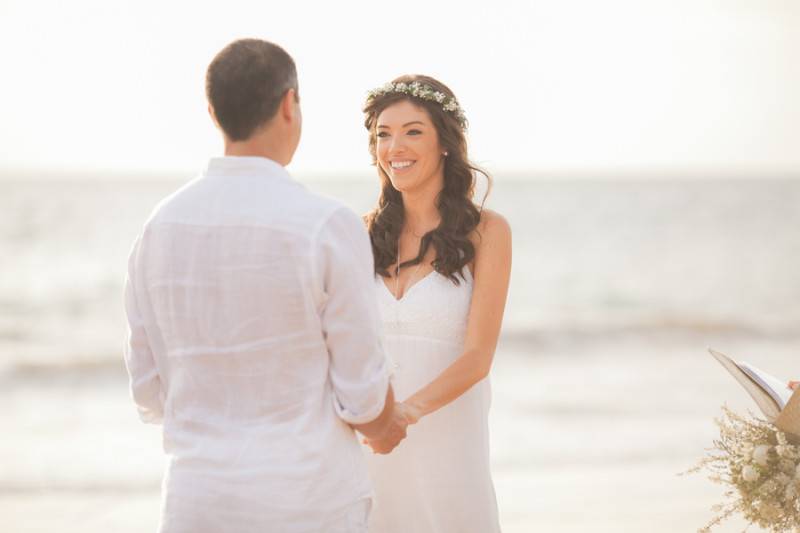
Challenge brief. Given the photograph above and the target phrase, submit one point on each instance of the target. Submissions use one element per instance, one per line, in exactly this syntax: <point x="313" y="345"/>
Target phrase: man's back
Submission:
<point x="239" y="282"/>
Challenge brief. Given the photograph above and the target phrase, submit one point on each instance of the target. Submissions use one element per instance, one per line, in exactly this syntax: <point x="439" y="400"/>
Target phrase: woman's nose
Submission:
<point x="396" y="144"/>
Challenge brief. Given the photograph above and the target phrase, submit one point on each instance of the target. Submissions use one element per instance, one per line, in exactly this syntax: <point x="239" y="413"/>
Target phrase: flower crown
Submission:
<point x="423" y="92"/>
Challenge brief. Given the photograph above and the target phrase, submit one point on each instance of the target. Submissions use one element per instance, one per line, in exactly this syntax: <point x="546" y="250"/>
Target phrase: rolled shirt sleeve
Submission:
<point x="359" y="369"/>
<point x="145" y="383"/>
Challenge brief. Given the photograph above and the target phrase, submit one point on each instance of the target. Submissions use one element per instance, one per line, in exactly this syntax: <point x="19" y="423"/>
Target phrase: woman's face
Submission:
<point x="407" y="146"/>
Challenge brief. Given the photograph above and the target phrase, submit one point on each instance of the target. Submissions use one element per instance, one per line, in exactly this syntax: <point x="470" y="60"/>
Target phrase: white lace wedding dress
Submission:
<point x="438" y="479"/>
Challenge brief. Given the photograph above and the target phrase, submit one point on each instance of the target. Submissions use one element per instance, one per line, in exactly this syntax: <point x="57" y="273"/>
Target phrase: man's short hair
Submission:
<point x="245" y="83"/>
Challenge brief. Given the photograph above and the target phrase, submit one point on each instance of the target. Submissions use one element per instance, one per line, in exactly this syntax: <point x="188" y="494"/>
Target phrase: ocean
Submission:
<point x="602" y="387"/>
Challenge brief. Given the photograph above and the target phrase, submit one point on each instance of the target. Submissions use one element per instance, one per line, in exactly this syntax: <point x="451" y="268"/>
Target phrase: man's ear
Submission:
<point x="213" y="115"/>
<point x="289" y="105"/>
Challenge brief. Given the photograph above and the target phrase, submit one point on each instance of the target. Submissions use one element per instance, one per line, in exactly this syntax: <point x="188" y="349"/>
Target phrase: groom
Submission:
<point x="254" y="332"/>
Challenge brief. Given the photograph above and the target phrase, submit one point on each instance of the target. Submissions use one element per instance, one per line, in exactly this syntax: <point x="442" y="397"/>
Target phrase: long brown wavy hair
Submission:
<point x="459" y="214"/>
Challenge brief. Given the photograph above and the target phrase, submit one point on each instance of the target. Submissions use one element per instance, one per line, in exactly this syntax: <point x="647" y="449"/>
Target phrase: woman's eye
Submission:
<point x="414" y="132"/>
<point x="382" y="134"/>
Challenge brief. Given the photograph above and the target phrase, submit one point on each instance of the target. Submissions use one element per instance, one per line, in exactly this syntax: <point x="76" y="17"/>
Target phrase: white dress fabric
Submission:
<point x="255" y="339"/>
<point x="438" y="479"/>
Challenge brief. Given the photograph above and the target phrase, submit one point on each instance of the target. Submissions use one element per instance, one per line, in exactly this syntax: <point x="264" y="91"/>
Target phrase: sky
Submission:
<point x="554" y="87"/>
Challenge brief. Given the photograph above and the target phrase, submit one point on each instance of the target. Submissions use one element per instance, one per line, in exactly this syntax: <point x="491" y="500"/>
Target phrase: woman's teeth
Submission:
<point x="401" y="164"/>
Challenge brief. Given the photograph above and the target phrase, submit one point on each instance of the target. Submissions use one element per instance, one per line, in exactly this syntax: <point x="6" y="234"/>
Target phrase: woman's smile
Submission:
<point x="401" y="166"/>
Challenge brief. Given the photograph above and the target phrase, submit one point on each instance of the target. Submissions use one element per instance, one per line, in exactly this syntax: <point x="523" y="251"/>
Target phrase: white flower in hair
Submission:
<point x="423" y="92"/>
<point x="451" y="105"/>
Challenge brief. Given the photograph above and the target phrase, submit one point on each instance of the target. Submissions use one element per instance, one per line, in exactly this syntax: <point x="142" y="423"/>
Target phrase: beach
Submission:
<point x="603" y="391"/>
<point x="578" y="444"/>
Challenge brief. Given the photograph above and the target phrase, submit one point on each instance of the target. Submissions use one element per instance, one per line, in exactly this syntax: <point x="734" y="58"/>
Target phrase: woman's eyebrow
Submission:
<point x="404" y="125"/>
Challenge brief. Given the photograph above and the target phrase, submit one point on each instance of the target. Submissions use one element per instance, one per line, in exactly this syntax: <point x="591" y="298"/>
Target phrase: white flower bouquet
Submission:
<point x="760" y="465"/>
<point x="758" y="459"/>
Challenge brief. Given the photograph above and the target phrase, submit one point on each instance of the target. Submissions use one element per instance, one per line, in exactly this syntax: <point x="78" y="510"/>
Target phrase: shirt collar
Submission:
<point x="245" y="166"/>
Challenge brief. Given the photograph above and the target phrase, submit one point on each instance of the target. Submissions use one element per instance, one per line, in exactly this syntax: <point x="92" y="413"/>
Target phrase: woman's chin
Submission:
<point x="401" y="183"/>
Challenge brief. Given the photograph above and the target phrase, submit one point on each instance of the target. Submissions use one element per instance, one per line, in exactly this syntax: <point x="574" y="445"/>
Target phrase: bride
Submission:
<point x="442" y="271"/>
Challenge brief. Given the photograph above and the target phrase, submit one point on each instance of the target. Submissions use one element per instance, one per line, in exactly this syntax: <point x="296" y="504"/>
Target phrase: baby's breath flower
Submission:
<point x="423" y="92"/>
<point x="782" y="479"/>
<point x="787" y="451"/>
<point x="745" y="450"/>
<point x="787" y="467"/>
<point x="770" y="511"/>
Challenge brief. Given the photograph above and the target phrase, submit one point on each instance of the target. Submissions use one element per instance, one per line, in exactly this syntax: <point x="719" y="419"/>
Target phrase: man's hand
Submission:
<point x="394" y="433"/>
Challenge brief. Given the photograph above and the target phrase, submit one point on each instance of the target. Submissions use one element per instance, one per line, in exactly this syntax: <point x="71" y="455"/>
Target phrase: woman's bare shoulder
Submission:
<point x="492" y="227"/>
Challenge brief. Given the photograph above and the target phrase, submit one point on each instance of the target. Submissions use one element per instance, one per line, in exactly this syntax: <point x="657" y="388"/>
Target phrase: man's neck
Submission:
<point x="257" y="146"/>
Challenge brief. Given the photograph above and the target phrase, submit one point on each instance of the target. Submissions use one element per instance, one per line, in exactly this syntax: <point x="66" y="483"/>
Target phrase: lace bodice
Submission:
<point x="433" y="307"/>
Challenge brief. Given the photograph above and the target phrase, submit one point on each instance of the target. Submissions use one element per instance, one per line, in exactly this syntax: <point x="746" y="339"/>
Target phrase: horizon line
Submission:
<point x="506" y="174"/>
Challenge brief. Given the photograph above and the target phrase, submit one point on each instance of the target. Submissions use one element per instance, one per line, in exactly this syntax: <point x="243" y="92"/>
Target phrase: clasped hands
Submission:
<point x="403" y="415"/>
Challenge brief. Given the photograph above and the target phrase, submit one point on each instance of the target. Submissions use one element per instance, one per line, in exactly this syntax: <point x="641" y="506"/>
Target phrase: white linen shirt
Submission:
<point x="255" y="338"/>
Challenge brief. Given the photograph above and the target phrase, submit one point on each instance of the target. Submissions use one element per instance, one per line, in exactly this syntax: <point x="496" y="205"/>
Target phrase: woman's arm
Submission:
<point x="492" y="273"/>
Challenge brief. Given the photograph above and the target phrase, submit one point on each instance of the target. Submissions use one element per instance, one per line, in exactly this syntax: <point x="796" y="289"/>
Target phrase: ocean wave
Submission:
<point x="55" y="367"/>
<point x="64" y="371"/>
<point x="109" y="487"/>
<point x="666" y="327"/>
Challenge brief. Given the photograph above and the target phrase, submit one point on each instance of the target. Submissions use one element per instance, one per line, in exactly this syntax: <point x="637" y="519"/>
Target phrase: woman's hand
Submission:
<point x="412" y="413"/>
<point x="794" y="385"/>
<point x="395" y="432"/>
<point x="406" y="415"/>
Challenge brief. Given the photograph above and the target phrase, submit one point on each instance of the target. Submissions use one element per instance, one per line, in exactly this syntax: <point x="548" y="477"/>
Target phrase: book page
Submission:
<point x="755" y="388"/>
<point x="777" y="389"/>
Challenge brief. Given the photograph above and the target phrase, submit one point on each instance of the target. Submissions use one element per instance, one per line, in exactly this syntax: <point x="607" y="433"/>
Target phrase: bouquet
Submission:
<point x="761" y="468"/>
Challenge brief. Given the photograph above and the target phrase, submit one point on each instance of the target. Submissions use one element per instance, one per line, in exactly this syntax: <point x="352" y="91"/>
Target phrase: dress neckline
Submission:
<point x="408" y="289"/>
<point x="411" y="287"/>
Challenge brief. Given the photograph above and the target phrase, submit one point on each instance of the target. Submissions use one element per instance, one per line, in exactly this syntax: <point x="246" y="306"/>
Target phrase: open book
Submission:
<point x="770" y="393"/>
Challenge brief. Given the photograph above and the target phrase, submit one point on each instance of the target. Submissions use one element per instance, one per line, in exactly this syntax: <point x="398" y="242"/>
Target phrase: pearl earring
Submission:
<point x="444" y="154"/>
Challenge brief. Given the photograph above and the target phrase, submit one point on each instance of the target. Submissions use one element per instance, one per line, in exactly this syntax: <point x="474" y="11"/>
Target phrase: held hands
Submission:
<point x="402" y="416"/>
